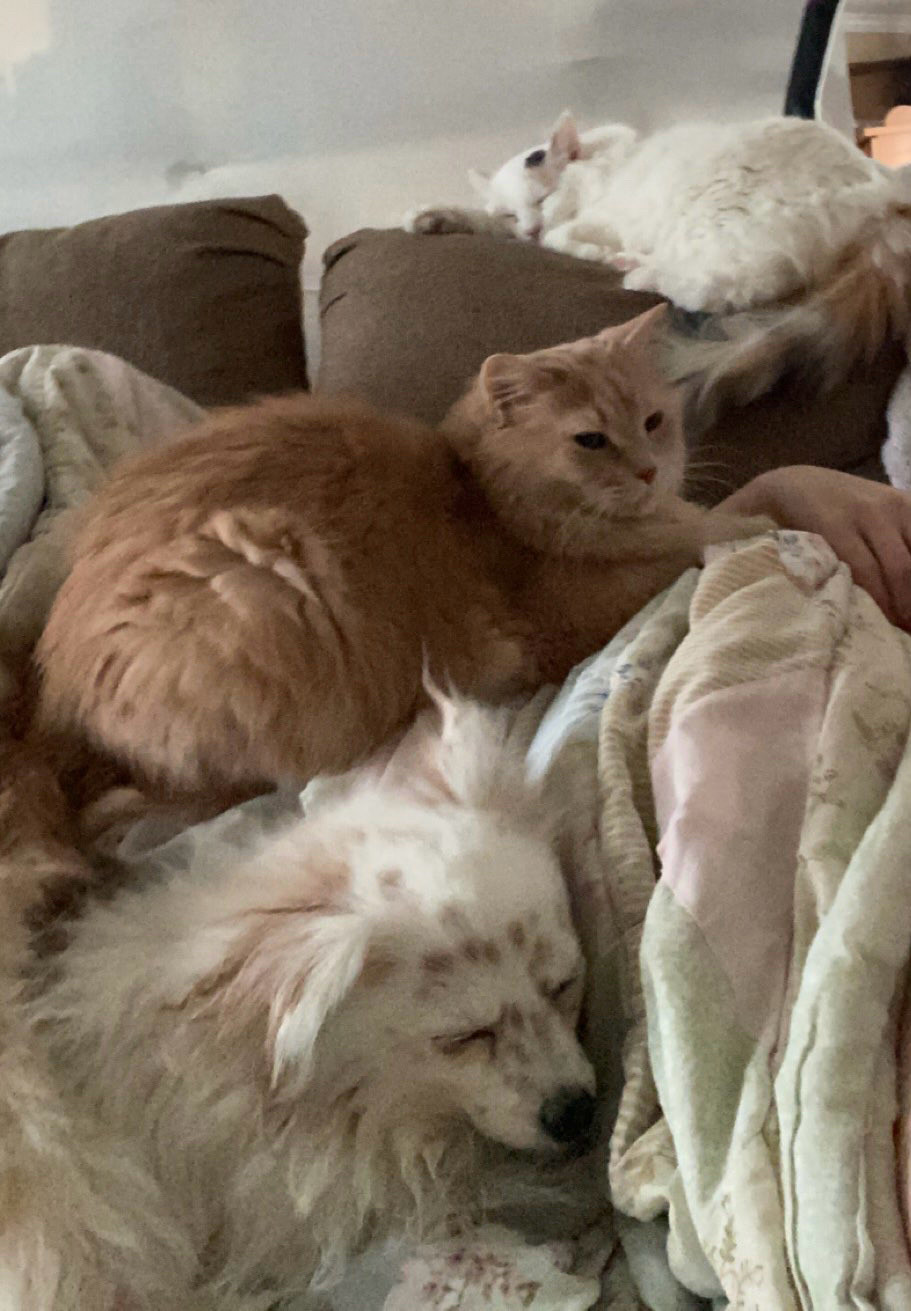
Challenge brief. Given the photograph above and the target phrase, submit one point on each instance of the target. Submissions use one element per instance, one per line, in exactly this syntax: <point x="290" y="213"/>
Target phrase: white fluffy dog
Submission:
<point x="284" y="1053"/>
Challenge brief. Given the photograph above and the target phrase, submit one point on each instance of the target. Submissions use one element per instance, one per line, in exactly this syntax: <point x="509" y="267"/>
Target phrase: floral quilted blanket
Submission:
<point x="755" y="839"/>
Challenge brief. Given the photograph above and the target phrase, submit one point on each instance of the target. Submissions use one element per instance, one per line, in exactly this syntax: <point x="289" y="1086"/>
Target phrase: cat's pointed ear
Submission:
<point x="480" y="183"/>
<point x="564" y="140"/>
<point x="505" y="380"/>
<point x="640" y="331"/>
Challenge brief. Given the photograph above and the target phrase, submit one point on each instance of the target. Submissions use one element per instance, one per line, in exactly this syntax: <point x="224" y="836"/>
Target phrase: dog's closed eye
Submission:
<point x="454" y="1044"/>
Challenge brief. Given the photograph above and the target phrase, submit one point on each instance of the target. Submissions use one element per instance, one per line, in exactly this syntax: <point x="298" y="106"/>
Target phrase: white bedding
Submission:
<point x="66" y="415"/>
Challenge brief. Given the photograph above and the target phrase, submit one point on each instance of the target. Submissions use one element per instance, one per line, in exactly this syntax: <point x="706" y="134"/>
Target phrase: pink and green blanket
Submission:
<point x="753" y="756"/>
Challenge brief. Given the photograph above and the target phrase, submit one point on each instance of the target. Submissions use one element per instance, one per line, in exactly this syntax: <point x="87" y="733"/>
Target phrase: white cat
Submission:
<point x="721" y="218"/>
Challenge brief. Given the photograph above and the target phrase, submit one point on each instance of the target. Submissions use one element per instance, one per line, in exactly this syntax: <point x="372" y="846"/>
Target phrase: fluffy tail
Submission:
<point x="78" y="1220"/>
<point x="834" y="327"/>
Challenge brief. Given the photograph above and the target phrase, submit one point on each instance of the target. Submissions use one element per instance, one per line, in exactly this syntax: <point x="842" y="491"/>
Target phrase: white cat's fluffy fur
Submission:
<point x="725" y="217"/>
<point x="274" y="1055"/>
<point x="714" y="216"/>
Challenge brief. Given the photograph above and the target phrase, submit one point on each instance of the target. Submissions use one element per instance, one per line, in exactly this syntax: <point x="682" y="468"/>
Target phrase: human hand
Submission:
<point x="867" y="525"/>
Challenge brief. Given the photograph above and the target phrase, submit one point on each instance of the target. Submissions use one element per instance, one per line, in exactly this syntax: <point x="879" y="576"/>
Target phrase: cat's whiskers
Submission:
<point x="595" y="516"/>
<point x="570" y="523"/>
<point x="712" y="457"/>
<point x="704" y="472"/>
<point x="700" y="481"/>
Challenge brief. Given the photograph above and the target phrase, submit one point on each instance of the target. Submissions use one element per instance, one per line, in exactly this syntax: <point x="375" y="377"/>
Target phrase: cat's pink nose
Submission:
<point x="647" y="475"/>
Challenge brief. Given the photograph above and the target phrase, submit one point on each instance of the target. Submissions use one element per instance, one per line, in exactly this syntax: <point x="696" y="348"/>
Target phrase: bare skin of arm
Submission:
<point x="867" y="524"/>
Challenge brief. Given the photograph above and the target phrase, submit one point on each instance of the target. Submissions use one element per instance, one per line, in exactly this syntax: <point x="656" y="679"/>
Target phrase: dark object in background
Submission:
<point x="812" y="39"/>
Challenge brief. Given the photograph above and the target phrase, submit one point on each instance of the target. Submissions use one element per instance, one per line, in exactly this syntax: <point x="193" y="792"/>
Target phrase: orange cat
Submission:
<point x="253" y="604"/>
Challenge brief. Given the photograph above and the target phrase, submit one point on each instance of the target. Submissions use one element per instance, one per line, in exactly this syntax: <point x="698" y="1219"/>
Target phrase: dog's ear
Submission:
<point x="307" y="988"/>
<point x="469" y="748"/>
<point x="282" y="969"/>
<point x="466" y="752"/>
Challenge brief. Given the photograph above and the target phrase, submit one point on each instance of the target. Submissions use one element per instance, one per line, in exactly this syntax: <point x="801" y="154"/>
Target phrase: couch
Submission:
<point x="206" y="297"/>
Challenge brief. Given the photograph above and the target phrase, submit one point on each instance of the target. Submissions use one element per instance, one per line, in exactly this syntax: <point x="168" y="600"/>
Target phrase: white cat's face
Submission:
<point x="520" y="186"/>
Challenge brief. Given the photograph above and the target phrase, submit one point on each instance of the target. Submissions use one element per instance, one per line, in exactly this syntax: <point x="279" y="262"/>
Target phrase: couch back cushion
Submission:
<point x="203" y="296"/>
<point x="407" y="320"/>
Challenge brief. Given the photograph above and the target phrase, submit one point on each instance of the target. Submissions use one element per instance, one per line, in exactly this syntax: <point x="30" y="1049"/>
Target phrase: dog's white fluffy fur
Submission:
<point x="278" y="1054"/>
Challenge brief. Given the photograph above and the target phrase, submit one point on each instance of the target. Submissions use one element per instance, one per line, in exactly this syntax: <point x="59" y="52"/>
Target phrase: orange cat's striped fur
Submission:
<point x="253" y="604"/>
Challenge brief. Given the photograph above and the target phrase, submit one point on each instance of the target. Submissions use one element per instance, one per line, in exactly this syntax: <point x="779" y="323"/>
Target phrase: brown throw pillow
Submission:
<point x="407" y="320"/>
<point x="204" y="296"/>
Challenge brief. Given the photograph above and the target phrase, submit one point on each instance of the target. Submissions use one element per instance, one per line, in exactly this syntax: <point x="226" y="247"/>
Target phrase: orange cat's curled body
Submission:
<point x="255" y="603"/>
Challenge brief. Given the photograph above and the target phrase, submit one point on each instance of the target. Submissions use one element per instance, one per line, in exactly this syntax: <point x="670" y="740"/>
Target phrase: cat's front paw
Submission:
<point x="638" y="277"/>
<point x="425" y="220"/>
<point x="568" y="245"/>
<point x="624" y="263"/>
<point x="720" y="526"/>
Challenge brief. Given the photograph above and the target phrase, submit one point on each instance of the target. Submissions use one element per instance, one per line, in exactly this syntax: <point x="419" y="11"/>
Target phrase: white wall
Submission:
<point x="354" y="109"/>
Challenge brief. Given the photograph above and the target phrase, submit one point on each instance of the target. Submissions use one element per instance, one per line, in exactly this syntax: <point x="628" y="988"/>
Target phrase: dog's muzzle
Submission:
<point x="568" y="1116"/>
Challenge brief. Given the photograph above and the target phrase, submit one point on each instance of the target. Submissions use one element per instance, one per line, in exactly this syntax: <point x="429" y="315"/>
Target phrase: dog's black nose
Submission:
<point x="568" y="1115"/>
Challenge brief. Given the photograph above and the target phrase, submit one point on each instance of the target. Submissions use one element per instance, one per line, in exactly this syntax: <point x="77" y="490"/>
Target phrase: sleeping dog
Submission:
<point x="285" y="1051"/>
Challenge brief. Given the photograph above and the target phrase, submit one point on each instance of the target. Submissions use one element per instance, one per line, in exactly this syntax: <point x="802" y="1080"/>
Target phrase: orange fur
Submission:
<point x="253" y="604"/>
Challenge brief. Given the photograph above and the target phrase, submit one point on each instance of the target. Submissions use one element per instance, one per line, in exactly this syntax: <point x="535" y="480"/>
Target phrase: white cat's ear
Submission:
<point x="480" y="183"/>
<point x="565" y="145"/>
<point x="505" y="379"/>
<point x="638" y="331"/>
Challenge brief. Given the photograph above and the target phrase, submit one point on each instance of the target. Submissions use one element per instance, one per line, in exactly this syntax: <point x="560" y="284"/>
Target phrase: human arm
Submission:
<point x="867" y="524"/>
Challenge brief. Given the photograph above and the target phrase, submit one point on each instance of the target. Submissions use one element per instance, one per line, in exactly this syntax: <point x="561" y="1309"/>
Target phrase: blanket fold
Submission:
<point x="66" y="416"/>
<point x="774" y="950"/>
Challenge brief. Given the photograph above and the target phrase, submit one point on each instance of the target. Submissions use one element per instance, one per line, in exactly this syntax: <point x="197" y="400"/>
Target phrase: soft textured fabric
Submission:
<point x="21" y="475"/>
<point x="897" y="449"/>
<point x="407" y="320"/>
<point x="66" y="415"/>
<point x="757" y="730"/>
<point x="204" y="297"/>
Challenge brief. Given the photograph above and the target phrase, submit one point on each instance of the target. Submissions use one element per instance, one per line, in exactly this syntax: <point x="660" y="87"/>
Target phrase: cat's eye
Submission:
<point x="535" y="158"/>
<point x="653" y="421"/>
<point x="453" y="1044"/>
<point x="561" y="989"/>
<point x="591" y="441"/>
